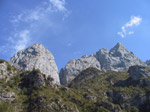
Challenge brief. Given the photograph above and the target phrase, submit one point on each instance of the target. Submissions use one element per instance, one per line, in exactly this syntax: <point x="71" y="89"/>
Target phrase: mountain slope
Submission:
<point x="91" y="91"/>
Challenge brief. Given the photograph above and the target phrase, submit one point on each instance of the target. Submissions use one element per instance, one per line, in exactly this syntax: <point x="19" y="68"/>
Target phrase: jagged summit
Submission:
<point x="118" y="46"/>
<point x="38" y="57"/>
<point x="118" y="50"/>
<point x="117" y="59"/>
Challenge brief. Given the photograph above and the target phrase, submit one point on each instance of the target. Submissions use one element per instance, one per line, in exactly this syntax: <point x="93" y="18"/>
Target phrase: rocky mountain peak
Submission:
<point x="117" y="59"/>
<point x="118" y="50"/>
<point x="38" y="57"/>
<point x="119" y="45"/>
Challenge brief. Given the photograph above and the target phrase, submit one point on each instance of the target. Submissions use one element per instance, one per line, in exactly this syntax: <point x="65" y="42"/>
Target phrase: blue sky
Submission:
<point x="72" y="28"/>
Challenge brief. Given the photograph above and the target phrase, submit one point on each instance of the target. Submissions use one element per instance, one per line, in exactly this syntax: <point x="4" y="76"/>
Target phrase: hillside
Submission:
<point x="92" y="91"/>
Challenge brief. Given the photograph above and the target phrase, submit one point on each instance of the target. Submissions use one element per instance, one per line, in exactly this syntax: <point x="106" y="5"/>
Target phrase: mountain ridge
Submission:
<point x="93" y="90"/>
<point x="117" y="58"/>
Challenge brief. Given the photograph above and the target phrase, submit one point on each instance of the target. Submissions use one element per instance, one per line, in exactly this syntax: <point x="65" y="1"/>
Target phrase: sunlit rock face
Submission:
<point x="75" y="66"/>
<point x="38" y="57"/>
<point x="117" y="59"/>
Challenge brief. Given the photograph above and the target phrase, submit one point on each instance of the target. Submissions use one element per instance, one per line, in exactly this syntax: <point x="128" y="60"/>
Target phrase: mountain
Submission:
<point x="116" y="59"/>
<point x="101" y="82"/>
<point x="36" y="57"/>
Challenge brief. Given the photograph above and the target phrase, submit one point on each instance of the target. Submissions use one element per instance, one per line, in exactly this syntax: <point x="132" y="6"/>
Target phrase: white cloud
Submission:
<point x="135" y="21"/>
<point x="59" y="4"/>
<point x="131" y="32"/>
<point x="32" y="22"/>
<point x="23" y="41"/>
<point x="19" y="40"/>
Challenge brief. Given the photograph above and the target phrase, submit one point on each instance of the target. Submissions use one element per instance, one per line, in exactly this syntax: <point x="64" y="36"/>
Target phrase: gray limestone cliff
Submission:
<point x="38" y="57"/>
<point x="75" y="66"/>
<point x="117" y="59"/>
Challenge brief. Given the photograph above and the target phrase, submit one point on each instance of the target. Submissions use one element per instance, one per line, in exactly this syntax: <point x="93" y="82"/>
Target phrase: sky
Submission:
<point x="73" y="28"/>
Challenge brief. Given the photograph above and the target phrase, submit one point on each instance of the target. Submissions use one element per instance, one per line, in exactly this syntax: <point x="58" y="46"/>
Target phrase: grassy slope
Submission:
<point x="86" y="97"/>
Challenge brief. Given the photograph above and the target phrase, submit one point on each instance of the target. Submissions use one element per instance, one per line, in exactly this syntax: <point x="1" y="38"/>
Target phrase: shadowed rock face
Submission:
<point x="117" y="59"/>
<point x="38" y="57"/>
<point x="148" y="62"/>
<point x="84" y="76"/>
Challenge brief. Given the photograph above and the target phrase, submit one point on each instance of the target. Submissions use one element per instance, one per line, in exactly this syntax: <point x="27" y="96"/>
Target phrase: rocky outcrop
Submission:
<point x="138" y="72"/>
<point x="117" y="59"/>
<point x="148" y="62"/>
<point x="36" y="78"/>
<point x="54" y="106"/>
<point x="84" y="76"/>
<point x="38" y="57"/>
<point x="7" y="96"/>
<point x="6" y="71"/>
<point x="140" y="75"/>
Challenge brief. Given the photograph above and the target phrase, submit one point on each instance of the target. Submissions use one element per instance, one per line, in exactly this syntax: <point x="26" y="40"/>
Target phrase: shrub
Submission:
<point x="2" y="72"/>
<point x="134" y="109"/>
<point x="2" y="61"/>
<point x="9" y="68"/>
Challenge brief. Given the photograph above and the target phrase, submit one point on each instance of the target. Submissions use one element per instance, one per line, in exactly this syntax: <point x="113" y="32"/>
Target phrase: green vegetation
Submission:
<point x="2" y="61"/>
<point x="6" y="107"/>
<point x="105" y="92"/>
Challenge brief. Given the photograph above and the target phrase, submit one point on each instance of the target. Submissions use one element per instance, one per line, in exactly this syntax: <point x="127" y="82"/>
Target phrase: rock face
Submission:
<point x="38" y="57"/>
<point x="75" y="66"/>
<point x="148" y="62"/>
<point x="36" y="78"/>
<point x="84" y="76"/>
<point x="138" y="72"/>
<point x="6" y="71"/>
<point x="117" y="59"/>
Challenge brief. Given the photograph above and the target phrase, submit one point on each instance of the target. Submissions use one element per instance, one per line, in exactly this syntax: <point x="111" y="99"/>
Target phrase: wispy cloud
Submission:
<point x="28" y="23"/>
<point x="135" y="21"/>
<point x="131" y="32"/>
<point x="59" y="4"/>
<point x="24" y="38"/>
